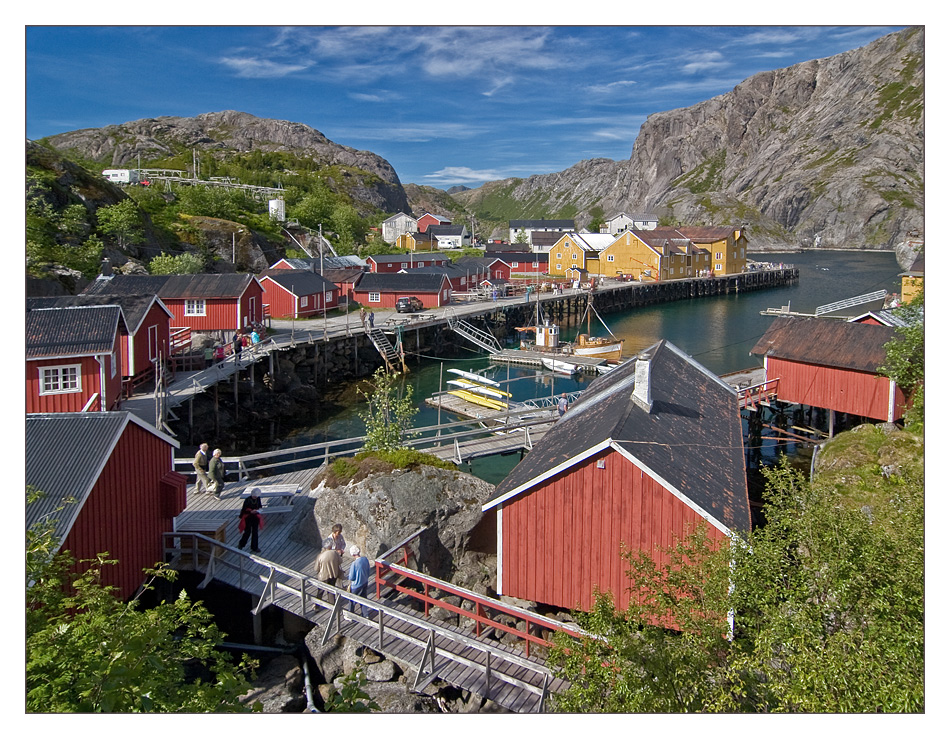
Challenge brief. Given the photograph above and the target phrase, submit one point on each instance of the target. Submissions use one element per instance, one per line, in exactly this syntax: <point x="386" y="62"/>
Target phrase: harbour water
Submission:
<point x="717" y="331"/>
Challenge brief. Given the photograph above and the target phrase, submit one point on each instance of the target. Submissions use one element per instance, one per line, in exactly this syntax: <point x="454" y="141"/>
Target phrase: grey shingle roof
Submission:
<point x="411" y="281"/>
<point x="400" y="258"/>
<point x="62" y="468"/>
<point x="134" y="307"/>
<point x="74" y="331"/>
<point x="299" y="281"/>
<point x="173" y="286"/>
<point x="691" y="438"/>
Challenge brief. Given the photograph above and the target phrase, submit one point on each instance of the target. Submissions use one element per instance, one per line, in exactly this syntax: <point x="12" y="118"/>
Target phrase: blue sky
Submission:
<point x="445" y="105"/>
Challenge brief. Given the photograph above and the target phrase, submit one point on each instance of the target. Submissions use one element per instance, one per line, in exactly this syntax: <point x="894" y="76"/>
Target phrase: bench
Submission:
<point x="274" y="498"/>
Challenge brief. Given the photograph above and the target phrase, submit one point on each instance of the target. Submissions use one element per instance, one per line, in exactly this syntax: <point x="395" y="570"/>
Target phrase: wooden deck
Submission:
<point x="425" y="648"/>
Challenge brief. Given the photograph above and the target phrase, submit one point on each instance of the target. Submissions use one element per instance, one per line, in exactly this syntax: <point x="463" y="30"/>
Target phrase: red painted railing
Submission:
<point x="755" y="394"/>
<point x="483" y="611"/>
<point x="180" y="339"/>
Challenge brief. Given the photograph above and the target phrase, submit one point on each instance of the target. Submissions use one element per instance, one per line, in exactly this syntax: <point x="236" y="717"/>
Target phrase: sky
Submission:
<point x="445" y="105"/>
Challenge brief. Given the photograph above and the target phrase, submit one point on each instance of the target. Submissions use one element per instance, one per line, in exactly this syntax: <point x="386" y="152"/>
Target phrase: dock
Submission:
<point x="531" y="358"/>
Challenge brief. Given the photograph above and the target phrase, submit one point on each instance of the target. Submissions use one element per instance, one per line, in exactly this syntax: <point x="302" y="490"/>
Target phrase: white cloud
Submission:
<point x="459" y="175"/>
<point x="260" y="68"/>
<point x="706" y="61"/>
<point x="611" y="86"/>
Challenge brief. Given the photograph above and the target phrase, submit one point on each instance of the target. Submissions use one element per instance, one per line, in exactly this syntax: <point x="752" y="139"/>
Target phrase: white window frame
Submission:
<point x="328" y="297"/>
<point x="610" y="257"/>
<point x="514" y="265"/>
<point x="373" y="298"/>
<point x="152" y="343"/>
<point x="304" y="301"/>
<point x="53" y="384"/>
<point x="557" y="266"/>
<point x="113" y="363"/>
<point x="195" y="307"/>
<point x="405" y="265"/>
<point x="719" y="268"/>
<point x="718" y="255"/>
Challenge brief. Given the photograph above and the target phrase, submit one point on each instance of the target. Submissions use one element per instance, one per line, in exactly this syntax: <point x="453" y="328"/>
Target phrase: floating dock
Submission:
<point x="529" y="358"/>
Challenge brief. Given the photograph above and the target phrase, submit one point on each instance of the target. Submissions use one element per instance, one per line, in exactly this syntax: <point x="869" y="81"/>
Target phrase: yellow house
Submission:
<point x="727" y="246"/>
<point x="575" y="250"/>
<point x="415" y="242"/>
<point x="912" y="281"/>
<point x="645" y="255"/>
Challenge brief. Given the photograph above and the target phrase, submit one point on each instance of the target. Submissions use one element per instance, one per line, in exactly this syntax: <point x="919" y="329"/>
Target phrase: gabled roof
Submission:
<point x="350" y="274"/>
<point x="707" y="234"/>
<point x="298" y="281"/>
<point x="916" y="269"/>
<point x="450" y="270"/>
<point x="77" y="331"/>
<point x="411" y="281"/>
<point x="62" y="468"/>
<point x="521" y="257"/>
<point x="884" y="317"/>
<point x="134" y="307"/>
<point x="636" y="217"/>
<point x="173" y="287"/>
<point x="827" y="342"/>
<point x="400" y="258"/>
<point x="690" y="439"/>
<point x="400" y="214"/>
<point x="449" y="230"/>
<point x="313" y="263"/>
<point x="478" y="262"/>
<point x="441" y="219"/>
<point x="590" y="241"/>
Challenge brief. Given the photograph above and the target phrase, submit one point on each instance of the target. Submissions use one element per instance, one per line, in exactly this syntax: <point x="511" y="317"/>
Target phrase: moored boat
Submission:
<point x="560" y="366"/>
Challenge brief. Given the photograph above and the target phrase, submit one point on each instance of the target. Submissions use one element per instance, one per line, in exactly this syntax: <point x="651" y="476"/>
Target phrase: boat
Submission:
<point x="481" y="400"/>
<point x="593" y="347"/>
<point x="560" y="366"/>
<point x="474" y="387"/>
<point x="474" y="377"/>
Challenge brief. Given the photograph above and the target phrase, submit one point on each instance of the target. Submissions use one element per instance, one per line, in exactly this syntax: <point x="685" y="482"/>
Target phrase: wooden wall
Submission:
<point x="563" y="538"/>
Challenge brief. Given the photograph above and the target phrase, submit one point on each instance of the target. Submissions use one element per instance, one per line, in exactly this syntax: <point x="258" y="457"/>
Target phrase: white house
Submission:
<point x="397" y="225"/>
<point x="623" y="222"/>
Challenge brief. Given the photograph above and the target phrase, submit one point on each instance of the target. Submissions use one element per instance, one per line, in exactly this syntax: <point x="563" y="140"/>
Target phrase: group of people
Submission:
<point x="364" y="317"/>
<point x="214" y="353"/>
<point x="330" y="566"/>
<point x="210" y="471"/>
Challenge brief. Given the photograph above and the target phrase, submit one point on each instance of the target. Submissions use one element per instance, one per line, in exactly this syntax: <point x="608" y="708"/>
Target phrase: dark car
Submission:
<point x="408" y="305"/>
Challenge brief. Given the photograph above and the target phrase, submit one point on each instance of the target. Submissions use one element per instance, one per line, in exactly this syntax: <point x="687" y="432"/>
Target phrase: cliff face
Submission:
<point x="219" y="133"/>
<point x="831" y="147"/>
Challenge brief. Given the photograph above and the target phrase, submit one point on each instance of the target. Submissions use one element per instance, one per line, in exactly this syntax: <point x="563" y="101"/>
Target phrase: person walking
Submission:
<point x="363" y="317"/>
<point x="219" y="352"/>
<point x="562" y="404"/>
<point x="358" y="575"/>
<point x="251" y="520"/>
<point x="255" y="337"/>
<point x="236" y="342"/>
<point x="202" y="484"/>
<point x="209" y="356"/>
<point x="216" y="472"/>
<point x="372" y="317"/>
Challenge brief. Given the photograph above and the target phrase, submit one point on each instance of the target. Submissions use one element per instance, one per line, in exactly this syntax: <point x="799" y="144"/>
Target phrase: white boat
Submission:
<point x="474" y="387"/>
<point x="559" y="366"/>
<point x="475" y="377"/>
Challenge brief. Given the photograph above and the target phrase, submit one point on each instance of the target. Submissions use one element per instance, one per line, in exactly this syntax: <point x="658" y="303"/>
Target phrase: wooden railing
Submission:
<point x="180" y="338"/>
<point x="755" y="394"/>
<point x="483" y="611"/>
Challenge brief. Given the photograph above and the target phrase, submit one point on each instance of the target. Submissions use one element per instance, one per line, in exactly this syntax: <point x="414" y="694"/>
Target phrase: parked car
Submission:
<point x="408" y="305"/>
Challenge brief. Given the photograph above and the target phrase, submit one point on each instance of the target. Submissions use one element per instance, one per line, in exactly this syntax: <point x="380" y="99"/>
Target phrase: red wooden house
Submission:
<point x="297" y="293"/>
<point x="146" y="317"/>
<point x="429" y="219"/>
<point x="523" y="263"/>
<point x="826" y="363"/>
<point x="649" y="451"/>
<point x="485" y="268"/>
<point x="204" y="302"/>
<point x="344" y="279"/>
<point x="382" y="290"/>
<point x="382" y="263"/>
<point x="459" y="278"/>
<point x="112" y="475"/>
<point x="73" y="358"/>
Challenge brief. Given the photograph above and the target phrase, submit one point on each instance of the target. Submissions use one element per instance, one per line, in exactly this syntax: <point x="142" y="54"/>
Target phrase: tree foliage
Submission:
<point x="389" y="413"/>
<point x="828" y="607"/>
<point x="351" y="697"/>
<point x="904" y="355"/>
<point x="123" y="221"/>
<point x="185" y="263"/>
<point x="89" y="652"/>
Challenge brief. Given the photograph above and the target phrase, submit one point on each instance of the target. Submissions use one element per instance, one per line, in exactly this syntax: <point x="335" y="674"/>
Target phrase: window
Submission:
<point x="61" y="379"/>
<point x="718" y="255"/>
<point x="195" y="307"/>
<point x="304" y="301"/>
<point x="558" y="265"/>
<point x="112" y="363"/>
<point x="328" y="297"/>
<point x="514" y="264"/>
<point x="719" y="268"/>
<point x="558" y="255"/>
<point x="404" y="265"/>
<point x="374" y="297"/>
<point x="610" y="257"/>
<point x="153" y="343"/>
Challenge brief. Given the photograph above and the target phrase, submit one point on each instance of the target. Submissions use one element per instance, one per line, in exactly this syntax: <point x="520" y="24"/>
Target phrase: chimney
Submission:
<point x="105" y="269"/>
<point x="641" y="384"/>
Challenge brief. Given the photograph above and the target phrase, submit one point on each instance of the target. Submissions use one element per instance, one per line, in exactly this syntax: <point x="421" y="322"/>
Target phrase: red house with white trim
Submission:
<point x="429" y="219"/>
<point x="204" y="302"/>
<point x="73" y="358"/>
<point x="112" y="475"/>
<point x="382" y="290"/>
<point x="298" y="293"/>
<point x="524" y="263"/>
<point x="148" y="322"/>
<point x="832" y="364"/>
<point x="648" y="452"/>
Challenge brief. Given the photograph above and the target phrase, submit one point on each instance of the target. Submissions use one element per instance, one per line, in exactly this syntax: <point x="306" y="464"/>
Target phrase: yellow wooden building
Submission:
<point x="416" y="242"/>
<point x="576" y="250"/>
<point x="727" y="246"/>
<point x="912" y="281"/>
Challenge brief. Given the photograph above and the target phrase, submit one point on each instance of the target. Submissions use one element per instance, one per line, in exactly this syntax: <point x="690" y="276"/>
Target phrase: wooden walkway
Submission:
<point x="206" y="539"/>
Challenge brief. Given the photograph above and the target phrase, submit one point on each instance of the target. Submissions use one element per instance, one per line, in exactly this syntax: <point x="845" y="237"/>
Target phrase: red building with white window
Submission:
<point x="831" y="364"/>
<point x="422" y="225"/>
<point x="382" y="290"/>
<point x="647" y="453"/>
<point x="298" y="293"/>
<point x="73" y="358"/>
<point x="109" y="484"/>
<point x="205" y="302"/>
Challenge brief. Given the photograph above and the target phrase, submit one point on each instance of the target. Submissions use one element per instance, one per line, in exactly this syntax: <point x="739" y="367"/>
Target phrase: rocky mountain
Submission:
<point x="368" y="178"/>
<point x="831" y="147"/>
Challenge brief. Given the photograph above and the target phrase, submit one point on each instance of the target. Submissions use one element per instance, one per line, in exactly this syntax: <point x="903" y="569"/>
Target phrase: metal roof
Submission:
<point x="66" y="471"/>
<point x="72" y="331"/>
<point x="690" y="440"/>
<point x="411" y="281"/>
<point x="299" y="281"/>
<point x="826" y="341"/>
<point x="173" y="286"/>
<point x="134" y="307"/>
<point x="417" y="256"/>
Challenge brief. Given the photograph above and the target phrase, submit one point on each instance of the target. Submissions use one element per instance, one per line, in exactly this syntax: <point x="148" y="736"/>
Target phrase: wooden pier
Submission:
<point x="531" y="358"/>
<point x="397" y="623"/>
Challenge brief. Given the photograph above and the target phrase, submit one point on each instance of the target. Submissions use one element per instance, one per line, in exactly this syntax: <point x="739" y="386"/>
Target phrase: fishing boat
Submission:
<point x="547" y="338"/>
<point x="560" y="366"/>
